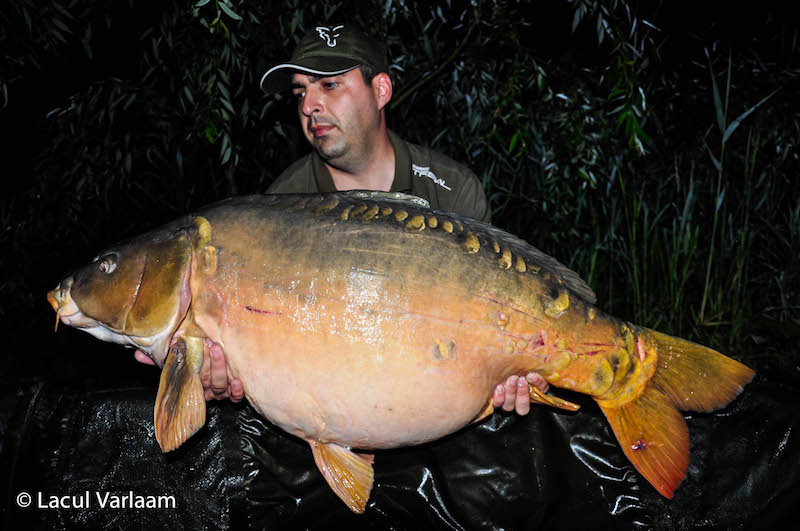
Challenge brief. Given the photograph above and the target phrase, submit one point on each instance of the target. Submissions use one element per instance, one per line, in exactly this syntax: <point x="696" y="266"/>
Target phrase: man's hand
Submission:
<point x="213" y="374"/>
<point x="514" y="395"/>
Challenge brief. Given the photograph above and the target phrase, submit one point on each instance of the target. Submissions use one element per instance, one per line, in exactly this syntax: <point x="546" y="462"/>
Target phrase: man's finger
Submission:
<point x="141" y="357"/>
<point x="211" y="395"/>
<point x="523" y="397"/>
<point x="538" y="381"/>
<point x="499" y="395"/>
<point x="236" y="391"/>
<point x="511" y="393"/>
<point x="219" y="371"/>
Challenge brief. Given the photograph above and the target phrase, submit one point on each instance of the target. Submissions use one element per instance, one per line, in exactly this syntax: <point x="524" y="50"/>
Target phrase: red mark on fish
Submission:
<point x="256" y="310"/>
<point x="541" y="340"/>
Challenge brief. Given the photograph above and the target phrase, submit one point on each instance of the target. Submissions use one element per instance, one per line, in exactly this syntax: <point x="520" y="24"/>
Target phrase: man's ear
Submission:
<point x="382" y="89"/>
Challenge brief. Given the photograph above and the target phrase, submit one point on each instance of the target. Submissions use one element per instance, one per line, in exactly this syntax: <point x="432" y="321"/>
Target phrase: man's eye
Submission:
<point x="330" y="84"/>
<point x="299" y="95"/>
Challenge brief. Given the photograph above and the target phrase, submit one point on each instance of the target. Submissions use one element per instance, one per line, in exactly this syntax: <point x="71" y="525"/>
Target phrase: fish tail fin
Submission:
<point x="650" y="428"/>
<point x="696" y="378"/>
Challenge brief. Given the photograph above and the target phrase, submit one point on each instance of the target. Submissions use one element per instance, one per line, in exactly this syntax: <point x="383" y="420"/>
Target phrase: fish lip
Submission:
<point x="75" y="319"/>
<point x="65" y="317"/>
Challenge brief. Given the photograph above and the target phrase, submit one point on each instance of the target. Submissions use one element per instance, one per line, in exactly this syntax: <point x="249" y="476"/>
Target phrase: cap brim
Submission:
<point x="279" y="77"/>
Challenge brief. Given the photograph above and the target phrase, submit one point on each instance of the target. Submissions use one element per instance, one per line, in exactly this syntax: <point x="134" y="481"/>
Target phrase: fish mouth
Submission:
<point x="66" y="309"/>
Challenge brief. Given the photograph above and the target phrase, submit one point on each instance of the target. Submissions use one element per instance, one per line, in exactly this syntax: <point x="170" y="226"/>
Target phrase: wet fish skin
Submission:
<point x="410" y="316"/>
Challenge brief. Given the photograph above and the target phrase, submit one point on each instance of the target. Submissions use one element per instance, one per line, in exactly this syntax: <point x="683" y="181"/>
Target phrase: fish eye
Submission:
<point x="108" y="264"/>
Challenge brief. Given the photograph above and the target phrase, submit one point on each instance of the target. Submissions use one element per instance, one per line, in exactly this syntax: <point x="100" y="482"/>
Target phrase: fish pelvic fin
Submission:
<point x="550" y="400"/>
<point x="648" y="424"/>
<point x="349" y="474"/>
<point x="180" y="404"/>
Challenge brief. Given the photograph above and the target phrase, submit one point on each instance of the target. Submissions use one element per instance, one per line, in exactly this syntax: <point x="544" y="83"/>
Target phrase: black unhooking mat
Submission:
<point x="95" y="451"/>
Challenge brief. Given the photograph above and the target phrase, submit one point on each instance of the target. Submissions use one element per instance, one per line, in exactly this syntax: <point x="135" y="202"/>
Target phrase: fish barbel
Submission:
<point x="410" y="316"/>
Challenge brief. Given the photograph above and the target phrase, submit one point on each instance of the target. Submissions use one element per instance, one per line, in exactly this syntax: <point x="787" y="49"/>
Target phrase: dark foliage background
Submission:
<point x="650" y="146"/>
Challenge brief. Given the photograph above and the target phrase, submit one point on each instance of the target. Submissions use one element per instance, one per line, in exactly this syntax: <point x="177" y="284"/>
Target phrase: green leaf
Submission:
<point x="717" y="100"/>
<point x="58" y="36"/>
<point x="713" y="158"/>
<point x="201" y="3"/>
<point x="720" y="198"/>
<point x="66" y="13"/>
<point x="513" y="144"/>
<point x="223" y="89"/>
<point x="732" y="127"/>
<point x="87" y="38"/>
<point x="129" y="101"/>
<point x="27" y="19"/>
<point x="227" y="105"/>
<point x="228" y="11"/>
<point x="576" y="18"/>
<point x="61" y="25"/>
<point x="226" y="141"/>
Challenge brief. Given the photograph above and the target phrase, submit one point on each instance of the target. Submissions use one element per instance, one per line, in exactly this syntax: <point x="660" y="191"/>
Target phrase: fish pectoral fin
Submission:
<point x="550" y="400"/>
<point x="349" y="474"/>
<point x="180" y="405"/>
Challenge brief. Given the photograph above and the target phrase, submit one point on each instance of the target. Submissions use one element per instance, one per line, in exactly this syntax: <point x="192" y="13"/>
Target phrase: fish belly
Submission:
<point x="380" y="382"/>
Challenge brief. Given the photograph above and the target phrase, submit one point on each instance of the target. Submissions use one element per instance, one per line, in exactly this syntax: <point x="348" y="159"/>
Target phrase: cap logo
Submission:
<point x="328" y="34"/>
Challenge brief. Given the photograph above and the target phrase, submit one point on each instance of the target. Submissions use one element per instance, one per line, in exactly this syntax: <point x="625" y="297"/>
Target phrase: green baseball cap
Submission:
<point x="327" y="51"/>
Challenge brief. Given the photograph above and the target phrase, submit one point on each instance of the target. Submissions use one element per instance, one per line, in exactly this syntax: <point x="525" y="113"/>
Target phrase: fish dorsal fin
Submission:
<point x="388" y="197"/>
<point x="180" y="405"/>
<point x="349" y="474"/>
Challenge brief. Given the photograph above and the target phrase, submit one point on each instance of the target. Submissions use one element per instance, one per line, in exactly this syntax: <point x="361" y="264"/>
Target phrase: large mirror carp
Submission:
<point x="409" y="316"/>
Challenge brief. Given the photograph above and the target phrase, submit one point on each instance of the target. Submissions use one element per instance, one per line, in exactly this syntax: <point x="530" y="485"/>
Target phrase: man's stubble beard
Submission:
<point x="339" y="152"/>
<point x="330" y="149"/>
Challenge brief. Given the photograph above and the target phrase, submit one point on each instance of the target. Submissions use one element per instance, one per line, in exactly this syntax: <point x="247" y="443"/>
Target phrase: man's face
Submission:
<point x="339" y="116"/>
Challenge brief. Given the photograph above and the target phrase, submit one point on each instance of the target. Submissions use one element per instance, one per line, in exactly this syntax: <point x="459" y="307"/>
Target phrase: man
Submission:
<point x="339" y="77"/>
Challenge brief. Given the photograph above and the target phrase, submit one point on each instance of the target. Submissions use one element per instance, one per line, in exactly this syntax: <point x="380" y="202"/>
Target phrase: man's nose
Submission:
<point x="312" y="103"/>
